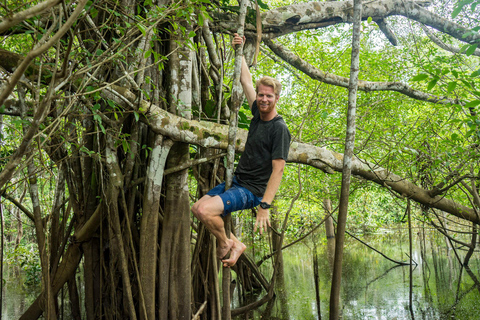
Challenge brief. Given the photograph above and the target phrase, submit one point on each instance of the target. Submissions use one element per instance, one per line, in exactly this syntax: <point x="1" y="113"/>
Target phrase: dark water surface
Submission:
<point x="376" y="288"/>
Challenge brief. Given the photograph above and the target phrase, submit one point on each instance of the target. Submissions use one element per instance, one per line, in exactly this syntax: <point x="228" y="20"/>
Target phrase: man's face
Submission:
<point x="266" y="99"/>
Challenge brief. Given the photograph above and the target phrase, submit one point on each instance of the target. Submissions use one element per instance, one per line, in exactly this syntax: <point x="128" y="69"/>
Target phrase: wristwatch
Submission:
<point x="265" y="205"/>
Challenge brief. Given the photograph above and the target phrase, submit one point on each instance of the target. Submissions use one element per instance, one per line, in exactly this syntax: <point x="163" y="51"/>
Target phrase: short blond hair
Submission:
<point x="270" y="82"/>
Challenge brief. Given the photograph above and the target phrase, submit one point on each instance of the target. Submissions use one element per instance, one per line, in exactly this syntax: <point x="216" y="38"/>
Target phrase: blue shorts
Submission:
<point x="236" y="198"/>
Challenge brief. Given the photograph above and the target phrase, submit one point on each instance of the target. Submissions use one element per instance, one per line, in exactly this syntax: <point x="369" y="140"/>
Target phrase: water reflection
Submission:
<point x="375" y="288"/>
<point x="16" y="296"/>
<point x="372" y="286"/>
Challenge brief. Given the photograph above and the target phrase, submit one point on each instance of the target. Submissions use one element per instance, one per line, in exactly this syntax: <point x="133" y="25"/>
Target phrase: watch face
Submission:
<point x="264" y="205"/>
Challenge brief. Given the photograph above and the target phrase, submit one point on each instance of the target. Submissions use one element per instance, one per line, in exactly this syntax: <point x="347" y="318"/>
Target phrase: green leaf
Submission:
<point x="262" y="5"/>
<point x="466" y="83"/>
<point x="369" y="20"/>
<point x="192" y="34"/>
<point x="472" y="104"/>
<point x="456" y="11"/>
<point x="464" y="48"/>
<point x="471" y="49"/>
<point x="420" y="77"/>
<point x="432" y="84"/>
<point x="93" y="13"/>
<point x="101" y="127"/>
<point x="137" y="116"/>
<point x="88" y="5"/>
<point x="142" y="29"/>
<point x="475" y="73"/>
<point x="451" y="86"/>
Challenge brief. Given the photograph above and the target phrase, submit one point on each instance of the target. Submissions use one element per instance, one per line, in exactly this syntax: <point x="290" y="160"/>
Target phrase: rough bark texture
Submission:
<point x="150" y="223"/>
<point x="311" y="15"/>
<point x="175" y="282"/>
<point x="347" y="164"/>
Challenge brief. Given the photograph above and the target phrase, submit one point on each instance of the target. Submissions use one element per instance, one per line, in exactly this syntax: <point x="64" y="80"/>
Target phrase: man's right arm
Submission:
<point x="245" y="76"/>
<point x="247" y="83"/>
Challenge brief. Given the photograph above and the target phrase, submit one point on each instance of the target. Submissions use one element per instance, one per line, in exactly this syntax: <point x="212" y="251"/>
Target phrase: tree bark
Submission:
<point x="150" y="223"/>
<point x="302" y="16"/>
<point x="347" y="164"/>
<point x="175" y="283"/>
<point x="174" y="268"/>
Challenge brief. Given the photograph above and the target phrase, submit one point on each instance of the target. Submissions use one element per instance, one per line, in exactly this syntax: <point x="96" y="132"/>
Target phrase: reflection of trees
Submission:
<point x="382" y="275"/>
<point x="446" y="302"/>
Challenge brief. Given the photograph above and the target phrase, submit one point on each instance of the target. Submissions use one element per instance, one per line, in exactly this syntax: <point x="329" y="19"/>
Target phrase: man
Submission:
<point x="259" y="170"/>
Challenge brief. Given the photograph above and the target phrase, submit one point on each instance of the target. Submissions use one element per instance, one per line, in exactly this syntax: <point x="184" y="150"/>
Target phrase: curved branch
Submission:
<point x="328" y="78"/>
<point x="214" y="135"/>
<point x="18" y="17"/>
<point x="17" y="204"/>
<point x="387" y="31"/>
<point x="24" y="64"/>
<point x="310" y="15"/>
<point x="443" y="45"/>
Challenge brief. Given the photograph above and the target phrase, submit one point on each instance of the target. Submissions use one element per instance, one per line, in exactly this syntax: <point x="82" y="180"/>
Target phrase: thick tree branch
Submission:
<point x="387" y="31"/>
<point x="310" y="15"/>
<point x="213" y="135"/>
<point x="18" y="204"/>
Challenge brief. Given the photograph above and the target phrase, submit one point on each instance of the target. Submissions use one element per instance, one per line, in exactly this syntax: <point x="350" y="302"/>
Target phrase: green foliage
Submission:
<point x="461" y="4"/>
<point x="26" y="257"/>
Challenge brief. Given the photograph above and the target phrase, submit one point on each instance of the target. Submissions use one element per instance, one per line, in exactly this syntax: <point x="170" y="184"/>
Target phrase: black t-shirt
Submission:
<point x="267" y="141"/>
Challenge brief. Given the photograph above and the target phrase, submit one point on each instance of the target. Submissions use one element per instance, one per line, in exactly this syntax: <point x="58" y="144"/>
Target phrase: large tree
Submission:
<point x="116" y="100"/>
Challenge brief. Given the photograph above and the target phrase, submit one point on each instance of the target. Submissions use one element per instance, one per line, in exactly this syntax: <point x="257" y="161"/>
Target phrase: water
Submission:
<point x="373" y="287"/>
<point x="17" y="296"/>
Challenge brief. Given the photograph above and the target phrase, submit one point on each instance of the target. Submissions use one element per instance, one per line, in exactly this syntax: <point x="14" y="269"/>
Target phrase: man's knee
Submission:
<point x="194" y="208"/>
<point x="200" y="211"/>
<point x="206" y="208"/>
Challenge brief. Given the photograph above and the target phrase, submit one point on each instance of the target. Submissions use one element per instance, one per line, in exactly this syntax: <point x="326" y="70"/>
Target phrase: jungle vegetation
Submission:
<point x="116" y="115"/>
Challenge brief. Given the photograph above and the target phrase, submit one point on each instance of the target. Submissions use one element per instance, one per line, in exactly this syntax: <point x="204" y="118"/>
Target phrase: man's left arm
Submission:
<point x="263" y="219"/>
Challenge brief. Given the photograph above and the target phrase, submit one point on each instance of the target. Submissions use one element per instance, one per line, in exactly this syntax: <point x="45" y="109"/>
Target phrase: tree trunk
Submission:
<point x="174" y="267"/>
<point x="347" y="165"/>
<point x="150" y="223"/>
<point x="175" y="283"/>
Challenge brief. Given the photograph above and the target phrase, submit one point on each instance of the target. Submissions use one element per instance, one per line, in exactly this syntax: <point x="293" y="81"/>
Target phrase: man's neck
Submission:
<point x="269" y="116"/>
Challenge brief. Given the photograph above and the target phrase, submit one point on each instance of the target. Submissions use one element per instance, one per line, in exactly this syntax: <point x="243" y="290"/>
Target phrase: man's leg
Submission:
<point x="208" y="210"/>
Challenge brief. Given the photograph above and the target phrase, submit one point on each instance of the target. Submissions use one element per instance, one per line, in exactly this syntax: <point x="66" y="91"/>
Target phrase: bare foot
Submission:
<point x="223" y="250"/>
<point x="235" y="253"/>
